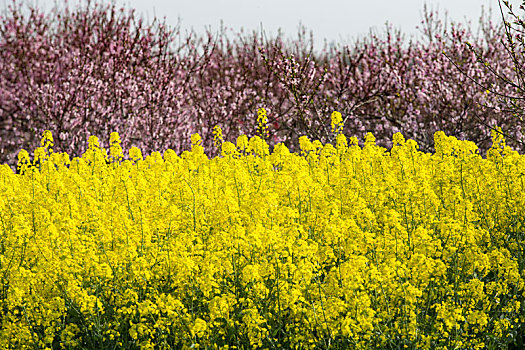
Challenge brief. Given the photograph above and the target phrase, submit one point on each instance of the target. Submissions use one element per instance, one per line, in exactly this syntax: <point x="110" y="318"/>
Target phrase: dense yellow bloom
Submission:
<point x="338" y="245"/>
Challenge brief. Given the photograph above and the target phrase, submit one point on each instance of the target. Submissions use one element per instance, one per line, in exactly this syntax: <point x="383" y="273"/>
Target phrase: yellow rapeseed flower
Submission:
<point x="335" y="246"/>
<point x="262" y="120"/>
<point x="217" y="137"/>
<point x="336" y="123"/>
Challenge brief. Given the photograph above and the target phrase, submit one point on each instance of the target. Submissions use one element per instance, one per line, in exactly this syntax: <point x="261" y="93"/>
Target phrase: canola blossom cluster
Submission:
<point x="338" y="246"/>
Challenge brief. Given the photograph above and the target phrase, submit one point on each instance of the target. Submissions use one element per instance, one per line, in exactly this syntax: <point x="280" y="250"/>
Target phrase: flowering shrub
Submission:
<point x="88" y="70"/>
<point x="96" y="69"/>
<point x="338" y="246"/>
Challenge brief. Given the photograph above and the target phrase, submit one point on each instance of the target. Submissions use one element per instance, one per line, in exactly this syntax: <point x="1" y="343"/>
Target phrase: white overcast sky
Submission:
<point x="340" y="21"/>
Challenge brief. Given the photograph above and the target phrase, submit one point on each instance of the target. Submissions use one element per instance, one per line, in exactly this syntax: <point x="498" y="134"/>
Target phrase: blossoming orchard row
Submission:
<point x="96" y="69"/>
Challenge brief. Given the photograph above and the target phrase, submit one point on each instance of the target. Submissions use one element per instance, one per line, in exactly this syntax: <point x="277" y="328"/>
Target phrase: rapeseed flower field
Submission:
<point x="336" y="247"/>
